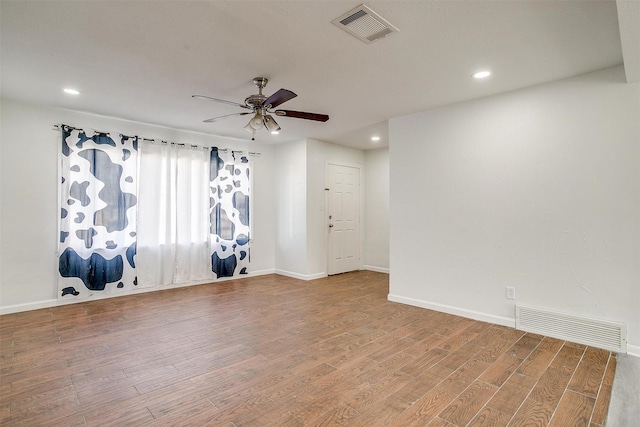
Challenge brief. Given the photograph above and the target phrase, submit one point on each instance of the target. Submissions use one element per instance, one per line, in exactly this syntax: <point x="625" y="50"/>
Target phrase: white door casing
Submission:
<point x="343" y="218"/>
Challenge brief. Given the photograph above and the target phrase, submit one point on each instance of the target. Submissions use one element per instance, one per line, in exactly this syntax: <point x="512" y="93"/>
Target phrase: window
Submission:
<point x="149" y="214"/>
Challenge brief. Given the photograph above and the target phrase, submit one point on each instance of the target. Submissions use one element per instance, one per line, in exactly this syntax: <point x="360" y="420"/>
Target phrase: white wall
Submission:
<point x="537" y="189"/>
<point x="29" y="185"/>
<point x="290" y="193"/>
<point x="301" y="244"/>
<point x="376" y="242"/>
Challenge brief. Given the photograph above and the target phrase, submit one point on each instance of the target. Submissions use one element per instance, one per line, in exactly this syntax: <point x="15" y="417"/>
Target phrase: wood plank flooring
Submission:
<point x="275" y="351"/>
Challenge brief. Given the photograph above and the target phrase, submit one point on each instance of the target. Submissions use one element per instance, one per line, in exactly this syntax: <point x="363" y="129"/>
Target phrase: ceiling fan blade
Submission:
<point x="215" y="119"/>
<point x="302" y="115"/>
<point x="219" y="100"/>
<point x="283" y="95"/>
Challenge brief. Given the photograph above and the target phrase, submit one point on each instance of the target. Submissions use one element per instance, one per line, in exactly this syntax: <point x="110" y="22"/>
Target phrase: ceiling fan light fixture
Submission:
<point x="271" y="124"/>
<point x="257" y="121"/>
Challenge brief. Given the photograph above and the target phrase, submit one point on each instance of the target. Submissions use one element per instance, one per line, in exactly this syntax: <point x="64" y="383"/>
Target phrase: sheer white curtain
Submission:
<point x="173" y="214"/>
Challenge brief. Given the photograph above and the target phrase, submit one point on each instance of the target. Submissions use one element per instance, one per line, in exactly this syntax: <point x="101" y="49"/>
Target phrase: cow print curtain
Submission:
<point x="230" y="181"/>
<point x="99" y="213"/>
<point x="98" y="200"/>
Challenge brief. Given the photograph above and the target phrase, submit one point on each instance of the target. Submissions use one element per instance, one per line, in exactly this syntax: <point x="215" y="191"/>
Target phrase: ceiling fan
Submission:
<point x="262" y="108"/>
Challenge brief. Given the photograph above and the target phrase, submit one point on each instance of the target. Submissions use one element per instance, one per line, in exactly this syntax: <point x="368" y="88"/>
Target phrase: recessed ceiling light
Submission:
<point x="71" y="91"/>
<point x="375" y="138"/>
<point x="481" y="74"/>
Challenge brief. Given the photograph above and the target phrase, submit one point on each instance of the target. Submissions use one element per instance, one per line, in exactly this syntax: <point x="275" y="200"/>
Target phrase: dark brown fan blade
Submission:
<point x="302" y="115"/>
<point x="283" y="95"/>
<point x="219" y="100"/>
<point x="215" y="119"/>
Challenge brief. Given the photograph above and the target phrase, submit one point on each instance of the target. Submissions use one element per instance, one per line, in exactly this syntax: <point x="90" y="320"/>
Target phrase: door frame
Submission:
<point x="360" y="168"/>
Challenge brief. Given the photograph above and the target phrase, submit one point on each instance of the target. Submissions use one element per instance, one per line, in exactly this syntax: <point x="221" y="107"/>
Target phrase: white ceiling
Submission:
<point x="142" y="60"/>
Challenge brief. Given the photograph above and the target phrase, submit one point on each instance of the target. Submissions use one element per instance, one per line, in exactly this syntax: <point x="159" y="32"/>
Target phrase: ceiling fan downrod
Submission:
<point x="261" y="82"/>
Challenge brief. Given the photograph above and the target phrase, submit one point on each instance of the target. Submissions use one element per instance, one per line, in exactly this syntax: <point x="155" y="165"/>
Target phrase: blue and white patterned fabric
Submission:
<point x="97" y="243"/>
<point x="99" y="214"/>
<point x="230" y="191"/>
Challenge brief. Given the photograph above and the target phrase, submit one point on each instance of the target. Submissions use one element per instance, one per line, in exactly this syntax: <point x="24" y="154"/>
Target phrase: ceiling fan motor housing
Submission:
<point x="254" y="101"/>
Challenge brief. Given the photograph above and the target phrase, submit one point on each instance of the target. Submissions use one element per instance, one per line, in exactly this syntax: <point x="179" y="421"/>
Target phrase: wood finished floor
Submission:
<point x="275" y="351"/>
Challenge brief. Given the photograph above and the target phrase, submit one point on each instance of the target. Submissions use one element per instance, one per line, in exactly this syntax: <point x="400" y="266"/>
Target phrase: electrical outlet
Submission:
<point x="510" y="292"/>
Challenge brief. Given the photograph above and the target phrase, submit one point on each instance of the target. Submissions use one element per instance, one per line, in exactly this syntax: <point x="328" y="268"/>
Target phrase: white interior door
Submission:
<point x="343" y="183"/>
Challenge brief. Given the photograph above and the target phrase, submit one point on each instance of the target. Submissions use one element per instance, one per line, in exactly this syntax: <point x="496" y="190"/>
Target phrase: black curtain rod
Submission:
<point x="152" y="140"/>
<point x="82" y="130"/>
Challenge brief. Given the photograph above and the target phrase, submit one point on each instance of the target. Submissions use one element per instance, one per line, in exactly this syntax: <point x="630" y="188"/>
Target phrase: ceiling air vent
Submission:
<point x="364" y="24"/>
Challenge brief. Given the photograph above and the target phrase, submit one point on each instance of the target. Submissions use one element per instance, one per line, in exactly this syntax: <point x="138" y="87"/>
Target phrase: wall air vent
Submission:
<point x="364" y="24"/>
<point x="596" y="333"/>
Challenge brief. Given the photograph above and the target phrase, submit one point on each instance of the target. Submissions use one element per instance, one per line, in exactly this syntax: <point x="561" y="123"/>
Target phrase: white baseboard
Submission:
<point x="633" y="350"/>
<point x="475" y="315"/>
<point x="300" y="276"/>
<point x="376" y="269"/>
<point x="261" y="272"/>
<point x="36" y="305"/>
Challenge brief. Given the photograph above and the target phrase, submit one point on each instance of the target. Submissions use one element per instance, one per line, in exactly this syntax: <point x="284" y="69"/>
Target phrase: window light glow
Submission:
<point x="481" y="74"/>
<point x="71" y="91"/>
